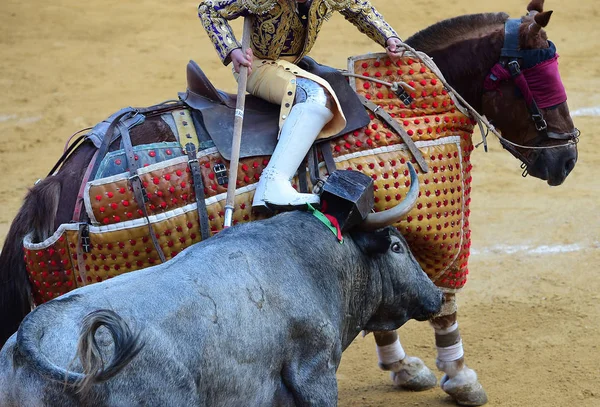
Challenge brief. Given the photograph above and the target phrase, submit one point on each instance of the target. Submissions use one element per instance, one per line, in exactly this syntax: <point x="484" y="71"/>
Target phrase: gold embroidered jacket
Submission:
<point x="278" y="29"/>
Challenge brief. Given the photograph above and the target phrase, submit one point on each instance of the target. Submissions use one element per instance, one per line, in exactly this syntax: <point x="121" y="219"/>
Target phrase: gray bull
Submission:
<point x="298" y="295"/>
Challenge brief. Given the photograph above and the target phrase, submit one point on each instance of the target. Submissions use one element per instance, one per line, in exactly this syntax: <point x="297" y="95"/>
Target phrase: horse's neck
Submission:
<point x="466" y="64"/>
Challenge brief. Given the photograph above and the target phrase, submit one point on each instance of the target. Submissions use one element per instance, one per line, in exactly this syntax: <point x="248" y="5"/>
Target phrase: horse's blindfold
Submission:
<point x="542" y="80"/>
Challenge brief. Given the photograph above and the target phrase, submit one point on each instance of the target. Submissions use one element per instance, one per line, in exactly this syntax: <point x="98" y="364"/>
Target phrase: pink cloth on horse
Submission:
<point x="541" y="83"/>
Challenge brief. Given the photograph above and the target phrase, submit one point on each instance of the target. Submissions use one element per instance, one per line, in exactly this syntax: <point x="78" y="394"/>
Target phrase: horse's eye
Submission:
<point x="397" y="247"/>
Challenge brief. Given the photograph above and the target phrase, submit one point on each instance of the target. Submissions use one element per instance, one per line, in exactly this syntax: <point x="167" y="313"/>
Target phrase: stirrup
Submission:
<point x="269" y="208"/>
<point x="266" y="207"/>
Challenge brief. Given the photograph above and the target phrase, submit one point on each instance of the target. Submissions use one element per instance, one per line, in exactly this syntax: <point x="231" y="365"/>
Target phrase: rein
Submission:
<point x="523" y="78"/>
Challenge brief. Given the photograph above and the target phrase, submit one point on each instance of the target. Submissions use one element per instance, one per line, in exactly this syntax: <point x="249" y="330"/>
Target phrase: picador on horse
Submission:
<point x="147" y="183"/>
<point x="283" y="32"/>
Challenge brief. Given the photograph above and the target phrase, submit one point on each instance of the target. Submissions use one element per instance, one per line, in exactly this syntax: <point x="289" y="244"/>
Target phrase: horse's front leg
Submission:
<point x="407" y="372"/>
<point x="458" y="381"/>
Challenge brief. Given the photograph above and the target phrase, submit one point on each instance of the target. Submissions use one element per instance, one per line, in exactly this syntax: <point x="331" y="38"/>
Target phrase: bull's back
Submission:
<point x="204" y="321"/>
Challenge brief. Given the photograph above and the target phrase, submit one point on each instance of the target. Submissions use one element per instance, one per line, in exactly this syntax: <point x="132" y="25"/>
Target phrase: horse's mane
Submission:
<point x="447" y="32"/>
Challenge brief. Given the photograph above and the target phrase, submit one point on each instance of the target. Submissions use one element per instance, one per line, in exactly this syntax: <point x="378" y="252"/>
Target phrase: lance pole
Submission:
<point x="237" y="128"/>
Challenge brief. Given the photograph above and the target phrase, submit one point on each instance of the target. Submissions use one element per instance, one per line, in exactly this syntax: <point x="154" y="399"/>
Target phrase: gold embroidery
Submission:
<point x="214" y="15"/>
<point x="337" y="5"/>
<point x="270" y="32"/>
<point x="277" y="29"/>
<point x="298" y="33"/>
<point x="259" y="7"/>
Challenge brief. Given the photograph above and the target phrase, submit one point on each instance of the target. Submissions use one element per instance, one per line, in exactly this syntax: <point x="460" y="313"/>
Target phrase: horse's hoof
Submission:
<point x="464" y="393"/>
<point x="411" y="374"/>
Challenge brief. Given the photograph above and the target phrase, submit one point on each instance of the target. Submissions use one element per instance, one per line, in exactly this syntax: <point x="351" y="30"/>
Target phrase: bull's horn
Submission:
<point x="388" y="217"/>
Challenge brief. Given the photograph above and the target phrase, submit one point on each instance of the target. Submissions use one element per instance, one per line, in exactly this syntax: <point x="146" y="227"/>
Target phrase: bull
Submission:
<point x="171" y="331"/>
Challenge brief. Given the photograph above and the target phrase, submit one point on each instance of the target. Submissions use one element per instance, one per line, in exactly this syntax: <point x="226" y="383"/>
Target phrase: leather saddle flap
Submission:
<point x="259" y="131"/>
<point x="356" y="115"/>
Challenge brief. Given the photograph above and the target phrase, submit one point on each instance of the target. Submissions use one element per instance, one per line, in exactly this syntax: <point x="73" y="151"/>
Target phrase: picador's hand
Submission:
<point x="394" y="48"/>
<point x="240" y="59"/>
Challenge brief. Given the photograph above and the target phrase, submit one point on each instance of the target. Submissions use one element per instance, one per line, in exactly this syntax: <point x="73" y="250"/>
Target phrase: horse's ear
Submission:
<point x="542" y="19"/>
<point x="535" y="5"/>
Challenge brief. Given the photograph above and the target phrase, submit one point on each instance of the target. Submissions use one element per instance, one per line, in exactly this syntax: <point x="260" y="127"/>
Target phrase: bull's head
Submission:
<point x="407" y="291"/>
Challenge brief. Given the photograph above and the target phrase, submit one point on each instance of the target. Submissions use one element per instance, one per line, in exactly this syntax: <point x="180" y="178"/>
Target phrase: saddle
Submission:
<point x="214" y="110"/>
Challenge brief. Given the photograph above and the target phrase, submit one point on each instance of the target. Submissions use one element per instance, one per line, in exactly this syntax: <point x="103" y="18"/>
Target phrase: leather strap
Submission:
<point x="383" y="115"/>
<point x="164" y="107"/>
<point x="313" y="165"/>
<point x="83" y="245"/>
<point x="186" y="131"/>
<point x="91" y="172"/>
<point x="511" y="48"/>
<point x="136" y="184"/>
<point x="66" y="154"/>
<point x="86" y="178"/>
<point x="302" y="183"/>
<point x="188" y="139"/>
<point x="190" y="149"/>
<point x="108" y="139"/>
<point x="328" y="157"/>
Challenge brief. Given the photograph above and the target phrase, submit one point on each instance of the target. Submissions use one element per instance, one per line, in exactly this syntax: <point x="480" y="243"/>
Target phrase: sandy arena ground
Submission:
<point x="529" y="315"/>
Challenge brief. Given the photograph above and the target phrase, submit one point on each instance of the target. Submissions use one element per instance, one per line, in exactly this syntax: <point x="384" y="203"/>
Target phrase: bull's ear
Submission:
<point x="372" y="243"/>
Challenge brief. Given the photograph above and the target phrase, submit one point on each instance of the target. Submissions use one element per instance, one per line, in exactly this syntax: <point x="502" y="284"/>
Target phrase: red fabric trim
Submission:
<point x="336" y="224"/>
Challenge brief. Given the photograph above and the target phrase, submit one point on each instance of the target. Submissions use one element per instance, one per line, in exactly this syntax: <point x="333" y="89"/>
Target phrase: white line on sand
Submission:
<point x="587" y="111"/>
<point x="7" y="117"/>
<point x="528" y="249"/>
<point x="22" y="120"/>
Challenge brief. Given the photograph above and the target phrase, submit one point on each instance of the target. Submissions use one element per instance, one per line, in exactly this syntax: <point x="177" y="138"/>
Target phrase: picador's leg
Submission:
<point x="310" y="113"/>
<point x="407" y="372"/>
<point x="458" y="381"/>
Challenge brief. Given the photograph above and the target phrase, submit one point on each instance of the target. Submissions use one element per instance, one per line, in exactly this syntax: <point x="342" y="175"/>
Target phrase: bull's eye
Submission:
<point x="396" y="247"/>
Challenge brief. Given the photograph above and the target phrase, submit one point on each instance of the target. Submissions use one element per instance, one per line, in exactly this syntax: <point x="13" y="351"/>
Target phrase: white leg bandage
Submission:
<point x="451" y="353"/>
<point x="391" y="353"/>
<point x="449" y="344"/>
<point x="446" y="331"/>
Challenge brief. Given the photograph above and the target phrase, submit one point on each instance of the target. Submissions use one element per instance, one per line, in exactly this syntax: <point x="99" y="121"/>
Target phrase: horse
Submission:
<point x="467" y="50"/>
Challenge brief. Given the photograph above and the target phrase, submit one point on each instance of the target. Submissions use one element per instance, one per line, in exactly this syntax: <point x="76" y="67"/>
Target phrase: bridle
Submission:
<point x="510" y="69"/>
<point x="512" y="58"/>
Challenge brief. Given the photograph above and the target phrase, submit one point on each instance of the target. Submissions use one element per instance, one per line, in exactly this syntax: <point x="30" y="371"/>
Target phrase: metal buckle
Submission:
<point x="540" y="123"/>
<point x="403" y="95"/>
<point x="525" y="172"/>
<point x="136" y="178"/>
<point x="318" y="187"/>
<point x="85" y="239"/>
<point x="221" y="173"/>
<point x="514" y="68"/>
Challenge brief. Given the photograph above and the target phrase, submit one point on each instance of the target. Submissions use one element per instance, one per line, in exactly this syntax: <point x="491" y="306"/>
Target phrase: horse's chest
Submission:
<point x="437" y="228"/>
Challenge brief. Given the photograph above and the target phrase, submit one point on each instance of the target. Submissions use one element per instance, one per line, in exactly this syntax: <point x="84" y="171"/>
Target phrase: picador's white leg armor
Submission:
<point x="304" y="123"/>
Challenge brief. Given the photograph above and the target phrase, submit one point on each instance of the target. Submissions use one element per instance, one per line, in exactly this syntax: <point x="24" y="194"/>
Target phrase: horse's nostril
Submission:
<point x="569" y="165"/>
